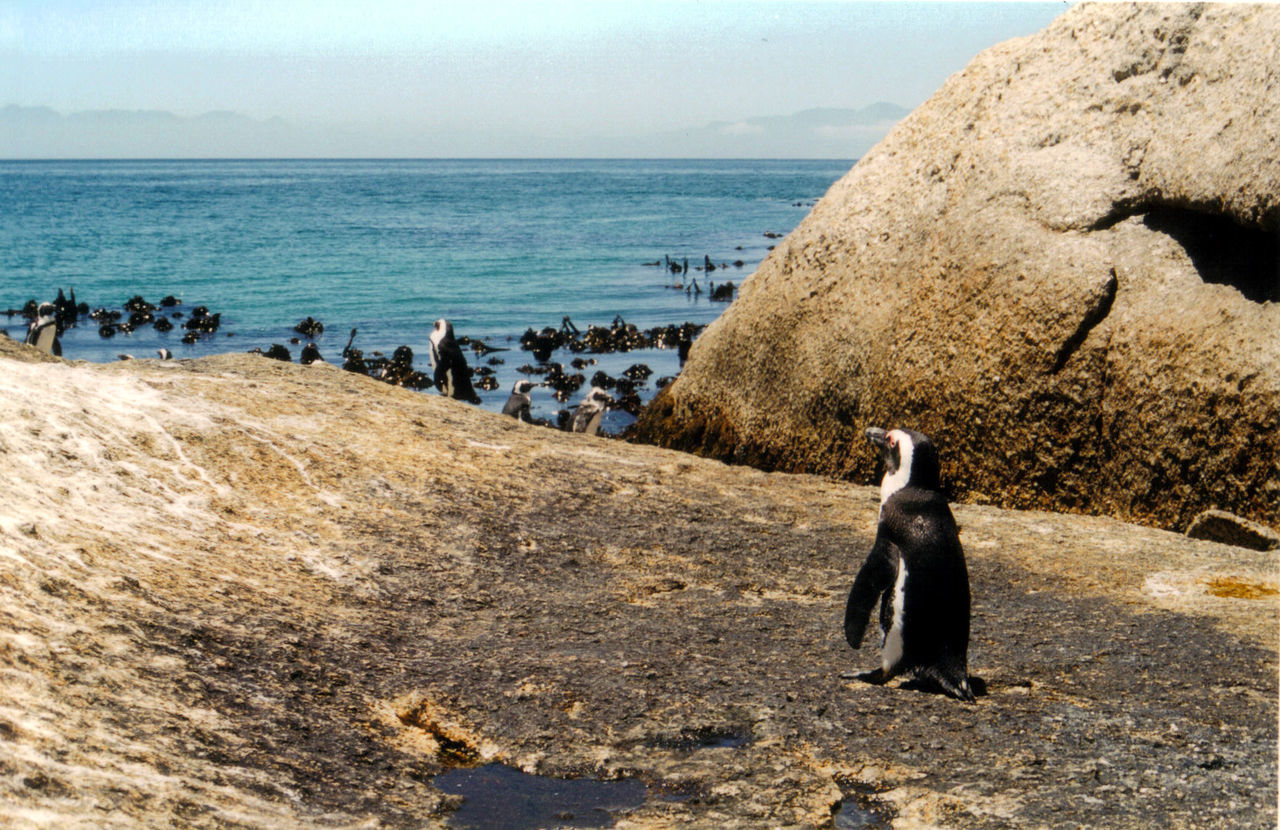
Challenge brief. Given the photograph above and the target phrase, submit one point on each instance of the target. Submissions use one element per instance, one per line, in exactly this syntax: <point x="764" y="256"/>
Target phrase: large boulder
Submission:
<point x="1064" y="267"/>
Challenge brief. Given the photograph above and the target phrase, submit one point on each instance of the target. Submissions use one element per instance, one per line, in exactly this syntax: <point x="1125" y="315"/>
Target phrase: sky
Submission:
<point x="488" y="77"/>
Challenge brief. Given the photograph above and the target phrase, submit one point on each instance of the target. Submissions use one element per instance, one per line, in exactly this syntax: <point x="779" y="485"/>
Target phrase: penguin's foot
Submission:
<point x="876" y="677"/>
<point x="959" y="689"/>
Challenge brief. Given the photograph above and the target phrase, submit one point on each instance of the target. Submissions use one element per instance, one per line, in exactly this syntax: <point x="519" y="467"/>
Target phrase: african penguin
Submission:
<point x="916" y="569"/>
<point x="517" y="406"/>
<point x="587" y="417"/>
<point x="452" y="376"/>
<point x="43" y="331"/>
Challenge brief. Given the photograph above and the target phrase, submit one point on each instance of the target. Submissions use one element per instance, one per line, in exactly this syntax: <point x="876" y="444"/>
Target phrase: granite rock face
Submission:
<point x="236" y="592"/>
<point x="1064" y="267"/>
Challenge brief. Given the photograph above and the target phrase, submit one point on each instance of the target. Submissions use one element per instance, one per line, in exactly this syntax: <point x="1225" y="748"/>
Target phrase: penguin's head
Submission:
<point x="46" y="311"/>
<point x="443" y="330"/>
<point x="909" y="457"/>
<point x="523" y="387"/>
<point x="598" y="397"/>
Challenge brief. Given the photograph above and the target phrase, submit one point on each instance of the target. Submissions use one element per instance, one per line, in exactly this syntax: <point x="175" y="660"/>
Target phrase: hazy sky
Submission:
<point x="387" y="72"/>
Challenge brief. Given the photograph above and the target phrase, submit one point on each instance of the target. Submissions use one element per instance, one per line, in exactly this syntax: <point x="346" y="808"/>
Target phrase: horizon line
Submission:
<point x="87" y="159"/>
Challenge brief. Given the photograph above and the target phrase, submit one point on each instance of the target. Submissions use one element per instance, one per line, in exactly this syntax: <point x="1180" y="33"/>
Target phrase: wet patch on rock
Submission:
<point x="706" y="737"/>
<point x="862" y="809"/>
<point x="498" y="797"/>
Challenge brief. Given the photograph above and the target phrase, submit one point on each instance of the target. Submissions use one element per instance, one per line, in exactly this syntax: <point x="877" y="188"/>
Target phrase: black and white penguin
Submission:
<point x="517" y="406"/>
<point x="589" y="414"/>
<point x="451" y="374"/>
<point x="43" y="331"/>
<point x="916" y="569"/>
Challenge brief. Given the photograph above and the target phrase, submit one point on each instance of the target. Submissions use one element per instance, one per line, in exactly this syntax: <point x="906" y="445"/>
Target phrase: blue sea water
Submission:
<point x="495" y="246"/>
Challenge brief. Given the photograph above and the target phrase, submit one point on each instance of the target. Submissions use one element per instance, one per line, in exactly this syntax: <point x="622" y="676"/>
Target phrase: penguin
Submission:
<point x="452" y="377"/>
<point x="590" y="412"/>
<point x="517" y="406"/>
<point x="310" y="354"/>
<point x="43" y="331"/>
<point x="164" y="354"/>
<point x="916" y="569"/>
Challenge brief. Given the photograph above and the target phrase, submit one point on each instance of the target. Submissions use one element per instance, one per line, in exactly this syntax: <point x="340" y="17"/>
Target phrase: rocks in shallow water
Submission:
<point x="723" y="293"/>
<point x="620" y="336"/>
<point x="202" y="321"/>
<point x="309" y="327"/>
<point x="637" y="372"/>
<point x="1230" y="529"/>
<point x="1055" y="266"/>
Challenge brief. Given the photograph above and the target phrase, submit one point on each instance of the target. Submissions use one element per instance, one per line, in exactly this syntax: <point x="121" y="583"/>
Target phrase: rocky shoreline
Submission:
<point x="240" y="592"/>
<point x="567" y="360"/>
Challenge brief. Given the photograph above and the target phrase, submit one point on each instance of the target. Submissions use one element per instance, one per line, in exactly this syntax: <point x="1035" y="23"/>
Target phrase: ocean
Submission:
<point x="386" y="247"/>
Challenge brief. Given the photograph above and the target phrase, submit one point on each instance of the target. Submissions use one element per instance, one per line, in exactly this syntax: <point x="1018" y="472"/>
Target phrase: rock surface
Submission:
<point x="1063" y="267"/>
<point x="242" y="593"/>
<point x="1221" y="526"/>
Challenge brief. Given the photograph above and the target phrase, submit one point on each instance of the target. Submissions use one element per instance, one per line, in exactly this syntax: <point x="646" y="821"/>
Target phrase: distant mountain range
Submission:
<point x="40" y="132"/>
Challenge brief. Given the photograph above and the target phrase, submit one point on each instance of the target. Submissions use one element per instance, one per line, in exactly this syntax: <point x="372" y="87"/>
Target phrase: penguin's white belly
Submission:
<point x="891" y="654"/>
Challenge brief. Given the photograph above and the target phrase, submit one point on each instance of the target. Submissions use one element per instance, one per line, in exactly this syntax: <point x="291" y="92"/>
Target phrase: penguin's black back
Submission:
<point x="935" y="629"/>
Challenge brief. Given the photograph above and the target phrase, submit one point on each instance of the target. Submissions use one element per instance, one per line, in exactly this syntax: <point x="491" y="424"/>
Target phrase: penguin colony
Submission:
<point x="449" y="373"/>
<point x="916" y="570"/>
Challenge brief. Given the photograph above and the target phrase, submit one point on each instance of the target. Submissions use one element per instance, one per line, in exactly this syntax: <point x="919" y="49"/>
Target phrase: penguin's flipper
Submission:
<point x="876" y="575"/>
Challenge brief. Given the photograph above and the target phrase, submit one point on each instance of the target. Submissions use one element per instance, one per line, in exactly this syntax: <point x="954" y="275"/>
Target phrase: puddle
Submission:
<point x="711" y="737"/>
<point x="860" y="810"/>
<point x="498" y="797"/>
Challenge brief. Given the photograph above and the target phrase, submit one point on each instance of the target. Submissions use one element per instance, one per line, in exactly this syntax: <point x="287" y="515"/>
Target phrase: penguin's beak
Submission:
<point x="879" y="437"/>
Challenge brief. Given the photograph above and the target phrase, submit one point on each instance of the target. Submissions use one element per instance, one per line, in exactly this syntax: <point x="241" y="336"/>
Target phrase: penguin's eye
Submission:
<point x="893" y="441"/>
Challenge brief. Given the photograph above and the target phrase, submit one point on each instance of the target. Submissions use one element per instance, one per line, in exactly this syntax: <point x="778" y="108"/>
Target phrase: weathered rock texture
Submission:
<point x="237" y="592"/>
<point x="1063" y="267"/>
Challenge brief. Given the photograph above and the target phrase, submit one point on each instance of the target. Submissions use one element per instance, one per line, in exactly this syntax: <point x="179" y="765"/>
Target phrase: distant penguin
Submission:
<point x="590" y="412"/>
<point x="517" y="406"/>
<point x="43" y="331"/>
<point x="451" y="375"/>
<point x="310" y="354"/>
<point x="916" y="569"/>
<point x="165" y="354"/>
